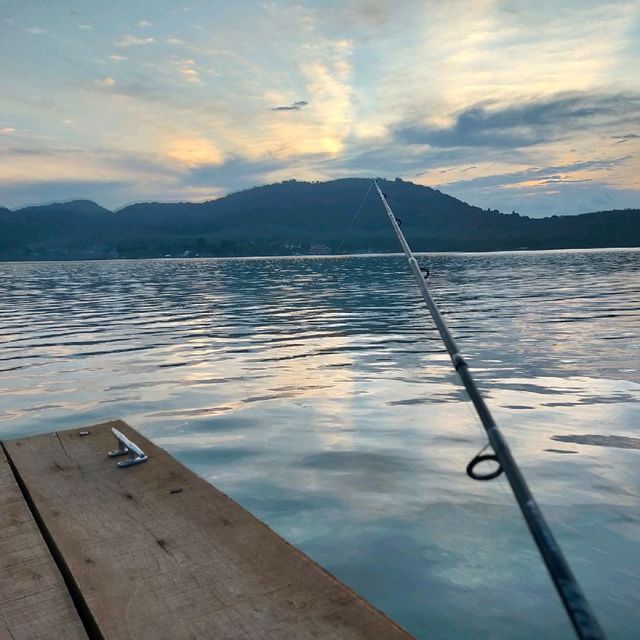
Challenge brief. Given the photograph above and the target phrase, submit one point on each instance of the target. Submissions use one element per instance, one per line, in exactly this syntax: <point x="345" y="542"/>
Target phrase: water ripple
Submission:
<point x="317" y="392"/>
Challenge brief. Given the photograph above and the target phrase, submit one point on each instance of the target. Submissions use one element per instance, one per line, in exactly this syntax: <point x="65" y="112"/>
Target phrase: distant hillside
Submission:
<point x="297" y="217"/>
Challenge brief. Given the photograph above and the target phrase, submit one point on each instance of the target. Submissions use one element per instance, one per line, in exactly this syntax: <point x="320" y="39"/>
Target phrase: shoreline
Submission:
<point x="325" y="256"/>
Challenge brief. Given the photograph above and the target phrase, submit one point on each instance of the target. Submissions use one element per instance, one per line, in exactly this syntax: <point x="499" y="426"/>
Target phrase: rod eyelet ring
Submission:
<point x="484" y="476"/>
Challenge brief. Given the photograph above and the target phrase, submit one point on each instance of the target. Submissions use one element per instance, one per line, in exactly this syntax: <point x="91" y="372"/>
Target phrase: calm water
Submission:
<point x="317" y="394"/>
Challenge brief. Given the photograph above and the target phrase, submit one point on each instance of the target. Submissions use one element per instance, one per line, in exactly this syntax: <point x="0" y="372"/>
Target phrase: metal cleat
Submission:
<point x="126" y="446"/>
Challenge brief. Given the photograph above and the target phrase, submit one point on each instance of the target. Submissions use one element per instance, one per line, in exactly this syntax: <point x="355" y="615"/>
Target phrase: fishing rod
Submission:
<point x="575" y="603"/>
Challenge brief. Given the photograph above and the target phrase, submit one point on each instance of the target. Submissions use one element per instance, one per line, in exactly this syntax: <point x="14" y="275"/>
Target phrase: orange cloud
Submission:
<point x="195" y="152"/>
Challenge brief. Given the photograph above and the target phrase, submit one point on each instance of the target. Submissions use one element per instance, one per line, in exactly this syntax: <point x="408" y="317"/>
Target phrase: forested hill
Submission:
<point x="297" y="218"/>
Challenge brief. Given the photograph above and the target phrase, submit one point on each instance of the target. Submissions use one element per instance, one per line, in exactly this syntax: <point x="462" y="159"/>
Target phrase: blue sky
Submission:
<point x="533" y="107"/>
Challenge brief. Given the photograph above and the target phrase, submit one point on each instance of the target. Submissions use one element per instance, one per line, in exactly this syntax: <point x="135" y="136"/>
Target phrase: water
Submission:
<point x="316" y="393"/>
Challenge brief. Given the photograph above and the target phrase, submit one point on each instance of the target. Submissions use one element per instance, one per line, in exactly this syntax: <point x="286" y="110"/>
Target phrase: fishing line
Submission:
<point x="353" y="217"/>
<point x="575" y="603"/>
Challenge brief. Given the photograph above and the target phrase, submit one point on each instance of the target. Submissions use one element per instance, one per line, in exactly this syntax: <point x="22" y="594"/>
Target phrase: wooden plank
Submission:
<point x="157" y="552"/>
<point x="34" y="601"/>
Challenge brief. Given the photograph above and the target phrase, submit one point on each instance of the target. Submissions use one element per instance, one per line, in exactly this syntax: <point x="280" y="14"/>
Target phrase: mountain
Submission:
<point x="44" y="231"/>
<point x="298" y="217"/>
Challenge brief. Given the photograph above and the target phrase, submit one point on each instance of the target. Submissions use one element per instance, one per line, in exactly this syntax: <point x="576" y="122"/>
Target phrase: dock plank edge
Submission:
<point x="80" y="604"/>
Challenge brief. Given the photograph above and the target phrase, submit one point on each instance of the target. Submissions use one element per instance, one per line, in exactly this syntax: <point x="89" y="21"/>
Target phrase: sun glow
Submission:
<point x="195" y="152"/>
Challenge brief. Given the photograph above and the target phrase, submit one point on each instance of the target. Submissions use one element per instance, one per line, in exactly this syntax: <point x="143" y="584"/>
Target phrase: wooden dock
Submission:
<point x="93" y="551"/>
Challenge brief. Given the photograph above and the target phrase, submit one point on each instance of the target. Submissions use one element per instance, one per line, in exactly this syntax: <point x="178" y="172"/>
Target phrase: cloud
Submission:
<point x="296" y="106"/>
<point x="190" y="75"/>
<point x="525" y="124"/>
<point x="144" y="24"/>
<point x="541" y="175"/>
<point x="175" y="41"/>
<point x="556" y="189"/>
<point x="233" y="173"/>
<point x="561" y="198"/>
<point x="626" y="137"/>
<point x="7" y="130"/>
<point x="195" y="152"/>
<point x="157" y="94"/>
<point x="187" y="69"/>
<point x="105" y="83"/>
<point x="36" y="31"/>
<point x="85" y="27"/>
<point x="31" y="174"/>
<point x="130" y="41"/>
<point x="117" y="58"/>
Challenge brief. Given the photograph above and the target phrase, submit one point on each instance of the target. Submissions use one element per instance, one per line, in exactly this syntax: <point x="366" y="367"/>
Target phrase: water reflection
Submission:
<point x="619" y="442"/>
<point x="315" y="392"/>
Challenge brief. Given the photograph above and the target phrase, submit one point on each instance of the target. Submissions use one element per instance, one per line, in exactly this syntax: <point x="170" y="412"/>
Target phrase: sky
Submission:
<point x="513" y="105"/>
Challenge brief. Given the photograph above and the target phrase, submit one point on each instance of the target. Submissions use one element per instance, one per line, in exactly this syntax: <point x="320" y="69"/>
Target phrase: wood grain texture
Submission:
<point x="34" y="601"/>
<point x="157" y="552"/>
